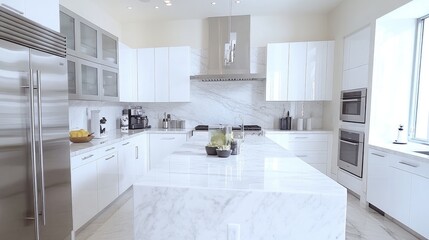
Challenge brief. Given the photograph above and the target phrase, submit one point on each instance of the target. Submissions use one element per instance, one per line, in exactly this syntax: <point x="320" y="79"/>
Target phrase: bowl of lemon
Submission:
<point x="80" y="136"/>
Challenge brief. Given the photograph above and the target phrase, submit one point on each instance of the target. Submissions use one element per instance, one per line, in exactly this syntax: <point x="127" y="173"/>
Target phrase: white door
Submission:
<point x="140" y="156"/>
<point x="127" y="74"/>
<point x="379" y="180"/>
<point x="162" y="90"/>
<point x="297" y="69"/>
<point x="146" y="74"/>
<point x="277" y="71"/>
<point x="419" y="205"/>
<point x="107" y="177"/>
<point x="316" y="70"/>
<point x="179" y="73"/>
<point x="126" y="165"/>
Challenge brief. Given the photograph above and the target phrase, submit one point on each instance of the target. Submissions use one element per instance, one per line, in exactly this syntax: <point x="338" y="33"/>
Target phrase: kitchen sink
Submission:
<point x="422" y="152"/>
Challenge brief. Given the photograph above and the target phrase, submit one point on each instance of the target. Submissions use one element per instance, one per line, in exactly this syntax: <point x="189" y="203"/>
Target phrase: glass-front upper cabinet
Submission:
<point x="68" y="28"/>
<point x="110" y="84"/>
<point x="109" y="48"/>
<point x="88" y="40"/>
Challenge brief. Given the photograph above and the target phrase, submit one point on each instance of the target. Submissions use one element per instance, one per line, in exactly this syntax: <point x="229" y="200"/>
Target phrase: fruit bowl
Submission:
<point x="81" y="139"/>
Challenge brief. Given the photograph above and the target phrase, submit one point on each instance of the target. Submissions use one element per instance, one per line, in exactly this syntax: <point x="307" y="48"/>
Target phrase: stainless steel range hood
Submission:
<point x="218" y="36"/>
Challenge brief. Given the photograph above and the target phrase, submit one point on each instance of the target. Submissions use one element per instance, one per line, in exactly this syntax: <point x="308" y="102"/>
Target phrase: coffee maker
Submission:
<point x="136" y="118"/>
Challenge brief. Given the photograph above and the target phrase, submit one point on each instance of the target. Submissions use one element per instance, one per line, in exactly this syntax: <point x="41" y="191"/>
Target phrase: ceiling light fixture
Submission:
<point x="213" y="3"/>
<point x="156" y="7"/>
<point x="168" y="4"/>
<point x="237" y="1"/>
<point x="129" y="7"/>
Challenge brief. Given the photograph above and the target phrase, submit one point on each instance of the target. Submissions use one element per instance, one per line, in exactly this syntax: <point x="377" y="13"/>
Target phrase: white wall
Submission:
<point x="194" y="33"/>
<point x="94" y="14"/>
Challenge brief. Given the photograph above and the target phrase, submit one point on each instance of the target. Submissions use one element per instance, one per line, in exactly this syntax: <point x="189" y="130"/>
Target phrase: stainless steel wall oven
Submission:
<point x="353" y="105"/>
<point x="351" y="151"/>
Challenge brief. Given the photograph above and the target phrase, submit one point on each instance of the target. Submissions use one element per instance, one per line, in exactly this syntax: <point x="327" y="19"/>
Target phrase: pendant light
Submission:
<point x="232" y="40"/>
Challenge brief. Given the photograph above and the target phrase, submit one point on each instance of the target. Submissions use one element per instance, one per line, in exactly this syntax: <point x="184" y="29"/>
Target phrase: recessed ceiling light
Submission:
<point x="237" y="1"/>
<point x="156" y="7"/>
<point x="129" y="7"/>
<point x="213" y="3"/>
<point x="168" y="4"/>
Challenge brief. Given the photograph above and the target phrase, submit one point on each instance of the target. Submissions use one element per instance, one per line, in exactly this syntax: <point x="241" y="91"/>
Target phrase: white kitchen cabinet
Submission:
<point x="141" y="146"/>
<point x="398" y="186"/>
<point x="127" y="74"/>
<point x="107" y="178"/>
<point x="356" y="59"/>
<point x="297" y="71"/>
<point x="277" y="72"/>
<point x="179" y="69"/>
<point x="146" y="74"/>
<point x="162" y="90"/>
<point x="84" y="191"/>
<point x="33" y="9"/>
<point x="126" y="159"/>
<point x="164" y="74"/>
<point x="419" y="211"/>
<point x="300" y="71"/>
<point x="314" y="149"/>
<point x="161" y="145"/>
<point x="379" y="177"/>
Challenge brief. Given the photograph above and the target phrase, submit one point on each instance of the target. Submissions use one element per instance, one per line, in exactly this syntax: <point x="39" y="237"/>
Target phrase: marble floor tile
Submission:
<point x="116" y="223"/>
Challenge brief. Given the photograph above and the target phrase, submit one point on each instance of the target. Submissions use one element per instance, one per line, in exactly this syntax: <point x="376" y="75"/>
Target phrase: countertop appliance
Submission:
<point x="353" y="105"/>
<point x="35" y="181"/>
<point x="136" y="118"/>
<point x="350" y="156"/>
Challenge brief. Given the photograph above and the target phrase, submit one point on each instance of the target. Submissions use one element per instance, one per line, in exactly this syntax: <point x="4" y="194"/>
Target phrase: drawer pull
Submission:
<point x="109" y="157"/>
<point x="110" y="149"/>
<point x="125" y="144"/>
<point x="409" y="164"/>
<point x="302" y="156"/>
<point x="89" y="156"/>
<point x="378" y="155"/>
<point x="301" y="137"/>
<point x="172" y="138"/>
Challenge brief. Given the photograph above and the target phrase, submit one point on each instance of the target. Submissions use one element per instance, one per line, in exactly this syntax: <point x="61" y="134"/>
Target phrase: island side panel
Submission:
<point x="191" y="213"/>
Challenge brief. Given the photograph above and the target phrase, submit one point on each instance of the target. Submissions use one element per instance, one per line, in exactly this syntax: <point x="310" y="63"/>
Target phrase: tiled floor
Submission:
<point x="116" y="223"/>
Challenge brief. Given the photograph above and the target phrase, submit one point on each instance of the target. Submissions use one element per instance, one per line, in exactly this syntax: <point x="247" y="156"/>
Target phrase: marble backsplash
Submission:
<point x="211" y="103"/>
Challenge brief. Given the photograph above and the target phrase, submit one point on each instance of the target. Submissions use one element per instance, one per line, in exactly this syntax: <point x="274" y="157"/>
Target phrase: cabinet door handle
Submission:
<point x="137" y="152"/>
<point x="109" y="157"/>
<point x="301" y="137"/>
<point x="12" y="9"/>
<point x="172" y="138"/>
<point x="351" y="143"/>
<point x="125" y="144"/>
<point x="110" y="149"/>
<point x="409" y="164"/>
<point x="89" y="156"/>
<point x="302" y="156"/>
<point x="378" y="155"/>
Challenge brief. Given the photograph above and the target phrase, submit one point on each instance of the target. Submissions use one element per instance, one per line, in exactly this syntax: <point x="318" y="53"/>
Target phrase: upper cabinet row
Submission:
<point x="32" y="10"/>
<point x="154" y="74"/>
<point x="92" y="55"/>
<point x="300" y="71"/>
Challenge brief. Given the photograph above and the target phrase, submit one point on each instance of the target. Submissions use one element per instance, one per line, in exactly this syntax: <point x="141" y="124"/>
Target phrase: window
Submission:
<point x="420" y="102"/>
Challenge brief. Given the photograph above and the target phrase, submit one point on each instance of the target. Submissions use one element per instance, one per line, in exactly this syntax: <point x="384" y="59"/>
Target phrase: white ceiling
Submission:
<point x="199" y="9"/>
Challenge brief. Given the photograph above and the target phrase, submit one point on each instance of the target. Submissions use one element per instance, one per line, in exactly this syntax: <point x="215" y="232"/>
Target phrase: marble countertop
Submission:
<point x="404" y="150"/>
<point x="118" y="136"/>
<point x="262" y="165"/>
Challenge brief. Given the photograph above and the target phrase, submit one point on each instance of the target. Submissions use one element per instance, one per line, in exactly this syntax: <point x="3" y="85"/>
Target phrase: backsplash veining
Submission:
<point x="211" y="103"/>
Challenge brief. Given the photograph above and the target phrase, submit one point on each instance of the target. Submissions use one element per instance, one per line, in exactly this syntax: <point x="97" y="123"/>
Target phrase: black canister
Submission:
<point x="286" y="123"/>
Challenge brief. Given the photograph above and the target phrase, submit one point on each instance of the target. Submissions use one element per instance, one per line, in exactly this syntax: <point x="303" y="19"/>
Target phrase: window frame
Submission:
<point x="416" y="80"/>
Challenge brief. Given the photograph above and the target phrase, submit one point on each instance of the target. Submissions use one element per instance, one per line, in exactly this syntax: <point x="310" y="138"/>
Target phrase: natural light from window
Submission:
<point x="422" y="104"/>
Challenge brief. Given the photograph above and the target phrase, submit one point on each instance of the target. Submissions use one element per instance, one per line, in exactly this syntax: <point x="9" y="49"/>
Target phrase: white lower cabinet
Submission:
<point x="314" y="149"/>
<point x="84" y="193"/>
<point x="161" y="145"/>
<point x="398" y="186"/>
<point x="107" y="178"/>
<point x="101" y="175"/>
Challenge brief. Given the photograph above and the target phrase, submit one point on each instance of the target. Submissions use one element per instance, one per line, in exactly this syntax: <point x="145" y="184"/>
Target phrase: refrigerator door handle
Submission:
<point x="33" y="156"/>
<point x="42" y="168"/>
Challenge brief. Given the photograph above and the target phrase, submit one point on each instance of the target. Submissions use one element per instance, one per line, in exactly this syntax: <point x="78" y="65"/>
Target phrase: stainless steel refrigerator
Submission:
<point x="35" y="191"/>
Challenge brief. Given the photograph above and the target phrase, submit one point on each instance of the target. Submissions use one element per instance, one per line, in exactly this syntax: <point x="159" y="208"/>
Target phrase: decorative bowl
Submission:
<point x="223" y="153"/>
<point x="211" y="150"/>
<point x="81" y="139"/>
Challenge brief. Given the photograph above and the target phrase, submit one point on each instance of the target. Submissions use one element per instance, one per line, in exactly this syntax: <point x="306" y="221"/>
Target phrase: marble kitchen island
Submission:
<point x="263" y="193"/>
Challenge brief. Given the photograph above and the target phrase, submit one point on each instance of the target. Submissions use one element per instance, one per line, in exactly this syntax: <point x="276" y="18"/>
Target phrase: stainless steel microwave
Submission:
<point x="353" y="105"/>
